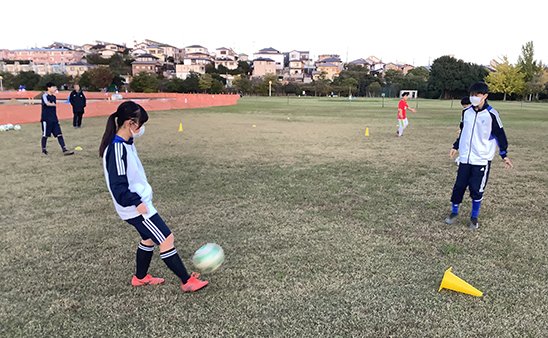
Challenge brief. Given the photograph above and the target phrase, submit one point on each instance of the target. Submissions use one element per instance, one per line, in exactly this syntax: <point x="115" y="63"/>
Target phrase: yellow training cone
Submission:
<point x="181" y="127"/>
<point x="451" y="282"/>
<point x="366" y="131"/>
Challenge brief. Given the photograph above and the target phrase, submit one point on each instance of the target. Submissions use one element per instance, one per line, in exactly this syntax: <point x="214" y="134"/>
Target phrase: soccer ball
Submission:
<point x="16" y="127"/>
<point x="208" y="257"/>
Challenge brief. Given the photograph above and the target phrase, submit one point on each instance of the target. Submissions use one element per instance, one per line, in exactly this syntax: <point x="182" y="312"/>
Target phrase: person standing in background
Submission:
<point x="77" y="100"/>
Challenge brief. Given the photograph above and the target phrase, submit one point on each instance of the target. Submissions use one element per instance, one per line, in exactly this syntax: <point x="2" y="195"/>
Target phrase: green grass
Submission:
<point x="326" y="232"/>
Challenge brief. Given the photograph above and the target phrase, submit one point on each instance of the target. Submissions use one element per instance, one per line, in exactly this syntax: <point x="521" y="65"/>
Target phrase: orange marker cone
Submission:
<point x="181" y="127"/>
<point x="451" y="282"/>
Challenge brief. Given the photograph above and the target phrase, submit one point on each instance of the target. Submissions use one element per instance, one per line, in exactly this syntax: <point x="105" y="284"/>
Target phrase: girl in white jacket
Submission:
<point x="132" y="196"/>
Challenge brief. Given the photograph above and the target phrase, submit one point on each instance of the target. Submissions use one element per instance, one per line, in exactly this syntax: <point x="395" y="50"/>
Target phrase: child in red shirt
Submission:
<point x="402" y="113"/>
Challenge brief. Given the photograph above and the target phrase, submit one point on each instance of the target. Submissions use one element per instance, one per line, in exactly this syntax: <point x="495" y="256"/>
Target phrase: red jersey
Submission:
<point x="403" y="106"/>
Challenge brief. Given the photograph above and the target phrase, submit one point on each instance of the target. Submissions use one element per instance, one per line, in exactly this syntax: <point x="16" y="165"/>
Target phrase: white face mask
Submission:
<point x="475" y="100"/>
<point x="139" y="134"/>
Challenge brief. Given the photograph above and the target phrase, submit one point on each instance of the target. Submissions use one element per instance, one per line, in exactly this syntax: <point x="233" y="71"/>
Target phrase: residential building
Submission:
<point x="404" y="68"/>
<point x="163" y="51"/>
<point x="328" y="64"/>
<point x="145" y="63"/>
<point x="361" y="63"/>
<point x="264" y="66"/>
<point x="376" y="65"/>
<point x="226" y="57"/>
<point x="77" y="69"/>
<point x="272" y="54"/>
<point x="182" y="70"/>
<point x="106" y="53"/>
<point x="16" y="67"/>
<point x="330" y="70"/>
<point x="197" y="52"/>
<point x="44" y="55"/>
<point x="195" y="60"/>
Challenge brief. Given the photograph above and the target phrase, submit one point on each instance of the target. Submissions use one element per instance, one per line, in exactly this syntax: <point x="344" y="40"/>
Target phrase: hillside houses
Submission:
<point x="160" y="58"/>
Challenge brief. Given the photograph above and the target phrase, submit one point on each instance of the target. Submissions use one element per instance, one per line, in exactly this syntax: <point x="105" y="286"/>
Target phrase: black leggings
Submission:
<point x="77" y="119"/>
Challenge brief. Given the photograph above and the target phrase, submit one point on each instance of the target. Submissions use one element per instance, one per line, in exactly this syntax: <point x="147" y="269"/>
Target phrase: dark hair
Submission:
<point x="465" y="101"/>
<point x="479" y="87"/>
<point x="405" y="94"/>
<point x="50" y="84"/>
<point x="128" y="110"/>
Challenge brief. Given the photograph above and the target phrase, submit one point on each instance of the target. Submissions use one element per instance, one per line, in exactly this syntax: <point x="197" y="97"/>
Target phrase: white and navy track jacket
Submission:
<point x="481" y="132"/>
<point x="126" y="179"/>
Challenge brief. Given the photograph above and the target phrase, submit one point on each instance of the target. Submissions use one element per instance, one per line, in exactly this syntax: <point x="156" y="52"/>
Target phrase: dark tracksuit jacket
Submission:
<point x="78" y="101"/>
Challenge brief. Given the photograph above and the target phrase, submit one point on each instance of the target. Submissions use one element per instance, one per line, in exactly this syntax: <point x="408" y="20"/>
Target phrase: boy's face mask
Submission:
<point x="475" y="100"/>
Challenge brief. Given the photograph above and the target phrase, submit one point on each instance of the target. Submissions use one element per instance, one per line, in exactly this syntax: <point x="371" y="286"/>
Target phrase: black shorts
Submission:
<point x="152" y="228"/>
<point x="49" y="128"/>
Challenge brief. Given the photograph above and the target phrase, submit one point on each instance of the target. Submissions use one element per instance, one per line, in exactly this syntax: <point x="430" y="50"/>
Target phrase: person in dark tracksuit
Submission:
<point x="481" y="132"/>
<point x="49" y="121"/>
<point x="77" y="100"/>
<point x="132" y="197"/>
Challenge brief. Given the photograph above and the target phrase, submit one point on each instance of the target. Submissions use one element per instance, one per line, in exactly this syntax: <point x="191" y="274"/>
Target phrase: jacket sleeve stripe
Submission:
<point x="118" y="153"/>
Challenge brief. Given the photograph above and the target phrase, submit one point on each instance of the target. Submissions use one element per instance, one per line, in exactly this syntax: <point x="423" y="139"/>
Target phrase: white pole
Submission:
<point x="269" y="88"/>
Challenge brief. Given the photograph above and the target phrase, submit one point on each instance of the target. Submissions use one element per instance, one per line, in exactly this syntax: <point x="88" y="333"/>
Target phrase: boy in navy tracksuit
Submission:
<point x="49" y="120"/>
<point x="481" y="133"/>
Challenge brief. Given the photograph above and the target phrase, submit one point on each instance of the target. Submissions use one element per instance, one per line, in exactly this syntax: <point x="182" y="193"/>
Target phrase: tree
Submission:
<point x="322" y="86"/>
<point x="450" y="77"/>
<point x="192" y="83"/>
<point x="206" y="80"/>
<point x="506" y="79"/>
<point x="145" y="82"/>
<point x="417" y="79"/>
<point x="351" y="84"/>
<point x="217" y="86"/>
<point x="8" y="80"/>
<point x="360" y="74"/>
<point x="60" y="80"/>
<point x="244" y="68"/>
<point x="393" y="80"/>
<point x="28" y="79"/>
<point x="120" y="65"/>
<point x="96" y="78"/>
<point x="175" y="85"/>
<point x="210" y="68"/>
<point x="531" y="69"/>
<point x="242" y="84"/>
<point x="374" y="89"/>
<point x="96" y="59"/>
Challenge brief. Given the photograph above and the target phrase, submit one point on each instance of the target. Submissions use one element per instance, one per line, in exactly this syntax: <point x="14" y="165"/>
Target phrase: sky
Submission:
<point x="413" y="32"/>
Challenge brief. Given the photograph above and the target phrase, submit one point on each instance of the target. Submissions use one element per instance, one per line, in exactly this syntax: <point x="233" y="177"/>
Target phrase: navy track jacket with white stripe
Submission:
<point x="126" y="179"/>
<point x="479" y="136"/>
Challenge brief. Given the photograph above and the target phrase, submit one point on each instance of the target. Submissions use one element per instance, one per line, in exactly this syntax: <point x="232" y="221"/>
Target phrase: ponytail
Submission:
<point x="126" y="111"/>
<point x="108" y="136"/>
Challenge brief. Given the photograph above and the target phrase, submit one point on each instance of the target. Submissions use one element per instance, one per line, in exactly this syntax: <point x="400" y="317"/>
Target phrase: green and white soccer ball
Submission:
<point x="208" y="258"/>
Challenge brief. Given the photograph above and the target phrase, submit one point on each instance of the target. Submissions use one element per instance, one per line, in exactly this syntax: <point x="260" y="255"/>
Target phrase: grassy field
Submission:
<point x="327" y="233"/>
